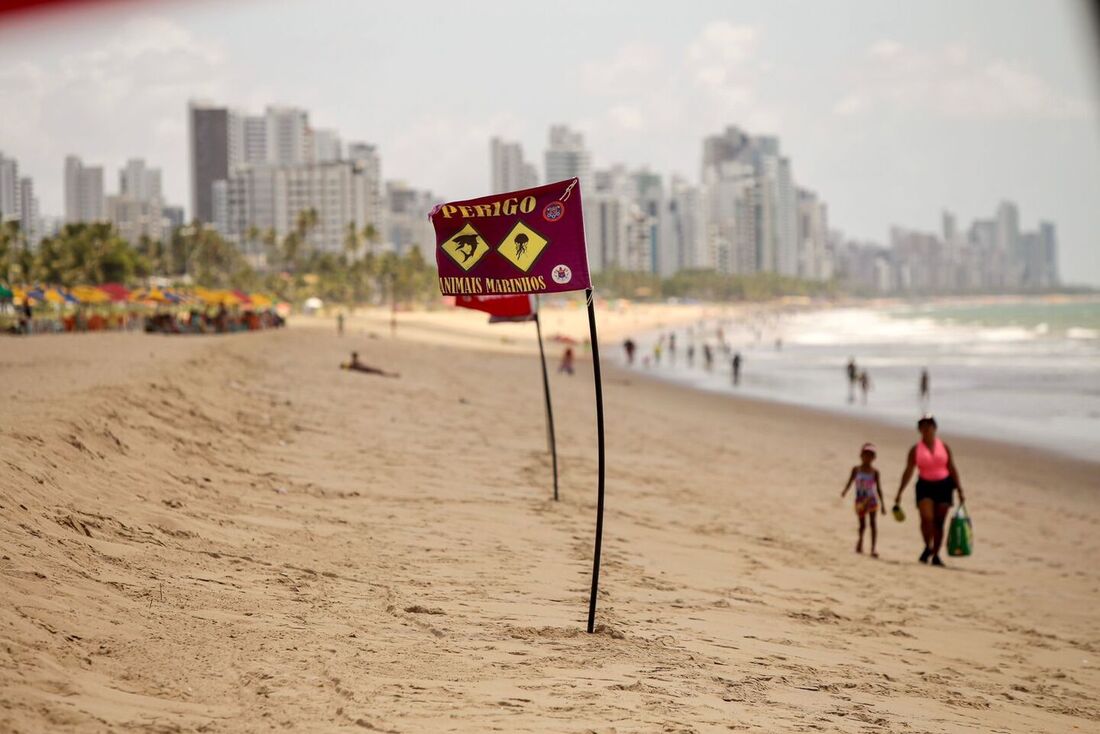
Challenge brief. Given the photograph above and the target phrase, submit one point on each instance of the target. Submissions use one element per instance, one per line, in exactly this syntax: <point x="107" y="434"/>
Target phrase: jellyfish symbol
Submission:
<point x="521" y="245"/>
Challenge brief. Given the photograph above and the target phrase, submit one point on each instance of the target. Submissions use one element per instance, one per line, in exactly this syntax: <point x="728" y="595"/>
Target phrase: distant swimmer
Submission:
<point x="736" y="364"/>
<point x="779" y="345"/>
<point x="853" y="378"/>
<point x="657" y="352"/>
<point x="356" y="366"/>
<point x="925" y="389"/>
<point x="708" y="358"/>
<point x="937" y="482"/>
<point x="864" y="384"/>
<point x="691" y="355"/>
<point x="672" y="347"/>
<point x="868" y="495"/>
<point x="629" y="346"/>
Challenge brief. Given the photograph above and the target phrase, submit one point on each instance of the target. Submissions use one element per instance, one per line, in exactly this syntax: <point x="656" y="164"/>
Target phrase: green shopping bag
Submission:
<point x="960" y="536"/>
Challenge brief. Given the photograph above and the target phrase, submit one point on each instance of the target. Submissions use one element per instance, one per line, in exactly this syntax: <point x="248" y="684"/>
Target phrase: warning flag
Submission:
<point x="528" y="241"/>
<point x="500" y="308"/>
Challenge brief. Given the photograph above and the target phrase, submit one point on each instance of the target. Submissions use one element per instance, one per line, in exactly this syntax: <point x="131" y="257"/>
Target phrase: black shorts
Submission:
<point x="941" y="492"/>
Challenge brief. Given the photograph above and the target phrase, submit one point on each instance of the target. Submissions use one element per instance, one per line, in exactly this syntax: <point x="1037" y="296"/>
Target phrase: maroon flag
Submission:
<point x="529" y="241"/>
<point x="500" y="308"/>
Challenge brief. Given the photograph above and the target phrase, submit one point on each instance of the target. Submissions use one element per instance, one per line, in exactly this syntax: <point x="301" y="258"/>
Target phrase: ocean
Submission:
<point x="1025" y="372"/>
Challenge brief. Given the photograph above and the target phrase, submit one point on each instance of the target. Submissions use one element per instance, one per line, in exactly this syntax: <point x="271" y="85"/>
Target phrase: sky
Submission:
<point x="891" y="111"/>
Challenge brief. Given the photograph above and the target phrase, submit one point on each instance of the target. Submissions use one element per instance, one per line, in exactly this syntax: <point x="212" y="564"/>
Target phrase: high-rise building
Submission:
<point x="508" y="170"/>
<point x="84" y="200"/>
<point x="253" y="138"/>
<point x="215" y="138"/>
<point x="30" y="218"/>
<point x="272" y="197"/>
<point x="734" y="221"/>
<point x="288" y="139"/>
<point x="686" y="225"/>
<point x="325" y="146"/>
<point x="137" y="181"/>
<point x="370" y="193"/>
<point x="567" y="157"/>
<point x="407" y="224"/>
<point x="10" y="209"/>
<point x="729" y="161"/>
<point x="813" y="228"/>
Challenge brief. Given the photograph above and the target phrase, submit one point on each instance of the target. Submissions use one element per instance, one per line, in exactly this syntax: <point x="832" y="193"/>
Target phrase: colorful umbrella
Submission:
<point x="58" y="296"/>
<point x="259" y="300"/>
<point x="90" y="294"/>
<point x="5" y="292"/>
<point x="115" y="291"/>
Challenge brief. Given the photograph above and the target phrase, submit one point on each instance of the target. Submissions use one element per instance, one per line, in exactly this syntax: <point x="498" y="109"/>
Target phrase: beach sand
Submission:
<point x="228" y="534"/>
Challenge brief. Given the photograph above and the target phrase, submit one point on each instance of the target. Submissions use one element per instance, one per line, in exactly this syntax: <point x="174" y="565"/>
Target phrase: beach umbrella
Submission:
<point x="259" y="300"/>
<point x="89" y="294"/>
<point x="154" y="295"/>
<point x="58" y="296"/>
<point x="244" y="297"/>
<point x="117" y="292"/>
<point x="5" y="292"/>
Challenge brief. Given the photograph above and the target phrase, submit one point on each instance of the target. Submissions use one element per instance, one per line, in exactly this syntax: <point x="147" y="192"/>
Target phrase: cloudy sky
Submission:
<point x="890" y="110"/>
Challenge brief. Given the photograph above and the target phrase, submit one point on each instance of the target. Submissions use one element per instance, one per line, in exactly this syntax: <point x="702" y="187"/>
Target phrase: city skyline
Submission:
<point x="1006" y="120"/>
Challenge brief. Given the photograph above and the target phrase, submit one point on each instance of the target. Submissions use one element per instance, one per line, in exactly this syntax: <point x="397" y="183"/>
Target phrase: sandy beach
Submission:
<point x="229" y="534"/>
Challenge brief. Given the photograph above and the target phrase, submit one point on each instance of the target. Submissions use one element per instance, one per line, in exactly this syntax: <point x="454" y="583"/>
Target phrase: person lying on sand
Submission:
<point x="356" y="366"/>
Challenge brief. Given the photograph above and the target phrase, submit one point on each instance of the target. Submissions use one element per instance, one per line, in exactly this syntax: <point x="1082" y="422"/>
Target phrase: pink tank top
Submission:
<point x="932" y="465"/>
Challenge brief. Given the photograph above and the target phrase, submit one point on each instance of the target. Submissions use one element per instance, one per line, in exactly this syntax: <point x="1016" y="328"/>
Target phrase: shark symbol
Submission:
<point x="466" y="240"/>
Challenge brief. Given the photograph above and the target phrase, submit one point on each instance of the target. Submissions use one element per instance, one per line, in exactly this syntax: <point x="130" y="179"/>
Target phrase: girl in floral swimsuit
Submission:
<point x="868" y="495"/>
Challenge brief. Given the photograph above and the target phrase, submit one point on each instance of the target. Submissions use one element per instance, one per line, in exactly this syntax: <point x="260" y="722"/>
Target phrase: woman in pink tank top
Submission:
<point x="937" y="481"/>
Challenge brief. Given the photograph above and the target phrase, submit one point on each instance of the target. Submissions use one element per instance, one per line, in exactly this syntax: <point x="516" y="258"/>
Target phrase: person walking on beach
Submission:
<point x="853" y="376"/>
<point x="340" y="323"/>
<point x="736" y="366"/>
<point x="925" y="389"/>
<point x="672" y="347"/>
<point x="691" y="355"/>
<point x="937" y="481"/>
<point x="629" y="347"/>
<point x="864" y="384"/>
<point x="566" y="365"/>
<point x="708" y="357"/>
<point x="868" y="495"/>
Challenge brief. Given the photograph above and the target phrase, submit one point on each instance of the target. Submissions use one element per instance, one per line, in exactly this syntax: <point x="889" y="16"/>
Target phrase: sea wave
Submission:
<point x="1079" y="332"/>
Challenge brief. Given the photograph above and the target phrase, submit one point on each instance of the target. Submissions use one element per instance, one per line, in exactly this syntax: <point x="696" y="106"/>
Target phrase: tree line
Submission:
<point x="289" y="268"/>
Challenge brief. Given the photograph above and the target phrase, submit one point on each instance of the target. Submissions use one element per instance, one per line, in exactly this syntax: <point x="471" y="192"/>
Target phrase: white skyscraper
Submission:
<point x="325" y="146"/>
<point x="508" y="170"/>
<point x="370" y="193"/>
<point x="137" y="181"/>
<point x="253" y="138"/>
<point x="686" y="225"/>
<point x="813" y="233"/>
<point x="84" y="200"/>
<point x="30" y="217"/>
<point x="287" y="135"/>
<point x="567" y="157"/>
<point x="9" y="189"/>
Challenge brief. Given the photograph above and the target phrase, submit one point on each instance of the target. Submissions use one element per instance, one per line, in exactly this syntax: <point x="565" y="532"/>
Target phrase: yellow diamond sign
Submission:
<point x="523" y="246"/>
<point x="466" y="247"/>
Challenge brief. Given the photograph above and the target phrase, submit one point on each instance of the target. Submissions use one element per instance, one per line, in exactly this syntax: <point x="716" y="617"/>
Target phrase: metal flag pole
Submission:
<point x="549" y="408"/>
<point x="600" y="453"/>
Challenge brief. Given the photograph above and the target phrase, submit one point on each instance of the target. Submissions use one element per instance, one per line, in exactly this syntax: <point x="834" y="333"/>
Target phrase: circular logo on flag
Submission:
<point x="553" y="211"/>
<point x="561" y="274"/>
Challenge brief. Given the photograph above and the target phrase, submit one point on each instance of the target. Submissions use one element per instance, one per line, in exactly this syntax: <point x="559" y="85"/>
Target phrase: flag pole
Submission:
<point x="600" y="454"/>
<point x="549" y="408"/>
